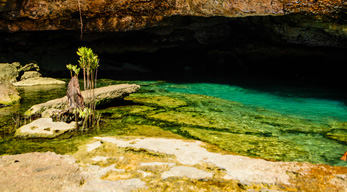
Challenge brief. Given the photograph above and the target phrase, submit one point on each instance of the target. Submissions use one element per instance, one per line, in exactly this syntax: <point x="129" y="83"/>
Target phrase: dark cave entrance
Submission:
<point x="254" y="49"/>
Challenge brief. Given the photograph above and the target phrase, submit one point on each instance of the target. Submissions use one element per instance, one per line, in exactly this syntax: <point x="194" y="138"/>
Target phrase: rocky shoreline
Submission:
<point x="157" y="164"/>
<point x="27" y="75"/>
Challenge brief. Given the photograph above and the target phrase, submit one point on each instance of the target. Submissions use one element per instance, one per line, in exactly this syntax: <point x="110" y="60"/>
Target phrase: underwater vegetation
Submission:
<point x="235" y="127"/>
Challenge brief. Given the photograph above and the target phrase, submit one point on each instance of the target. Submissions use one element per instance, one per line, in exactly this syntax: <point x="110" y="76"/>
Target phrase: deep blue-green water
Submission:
<point x="304" y="105"/>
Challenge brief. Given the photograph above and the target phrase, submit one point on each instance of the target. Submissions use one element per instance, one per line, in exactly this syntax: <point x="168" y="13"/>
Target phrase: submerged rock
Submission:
<point x="101" y="95"/>
<point x="8" y="95"/>
<point x="44" y="127"/>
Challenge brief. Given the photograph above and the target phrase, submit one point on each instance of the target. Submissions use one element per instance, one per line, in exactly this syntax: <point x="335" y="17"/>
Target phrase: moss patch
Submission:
<point x="162" y="101"/>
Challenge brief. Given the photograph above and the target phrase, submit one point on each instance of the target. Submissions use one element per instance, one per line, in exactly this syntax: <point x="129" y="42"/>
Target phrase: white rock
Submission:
<point x="245" y="169"/>
<point x="145" y="174"/>
<point x="158" y="164"/>
<point x="99" y="158"/>
<point x="92" y="146"/>
<point x="38" y="81"/>
<point x="184" y="171"/>
<point x="44" y="127"/>
<point x="113" y="186"/>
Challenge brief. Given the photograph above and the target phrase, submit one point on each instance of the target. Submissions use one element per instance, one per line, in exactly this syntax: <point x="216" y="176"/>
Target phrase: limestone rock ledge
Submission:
<point x="123" y="15"/>
<point x="101" y="95"/>
<point x="39" y="81"/>
<point x="152" y="164"/>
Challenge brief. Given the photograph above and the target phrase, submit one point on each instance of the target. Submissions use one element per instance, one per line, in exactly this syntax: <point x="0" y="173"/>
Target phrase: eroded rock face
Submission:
<point x="9" y="72"/>
<point x="291" y="38"/>
<point x="101" y="15"/>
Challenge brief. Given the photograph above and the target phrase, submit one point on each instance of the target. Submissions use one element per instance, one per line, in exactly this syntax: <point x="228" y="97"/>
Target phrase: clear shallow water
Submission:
<point x="315" y="109"/>
<point x="300" y="131"/>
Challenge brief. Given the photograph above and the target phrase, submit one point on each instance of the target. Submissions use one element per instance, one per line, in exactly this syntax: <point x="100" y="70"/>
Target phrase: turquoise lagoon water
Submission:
<point x="316" y="145"/>
<point x="321" y="112"/>
<point x="294" y="103"/>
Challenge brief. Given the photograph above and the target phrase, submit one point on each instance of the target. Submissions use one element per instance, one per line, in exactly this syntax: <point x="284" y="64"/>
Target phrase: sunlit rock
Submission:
<point x="184" y="171"/>
<point x="39" y="172"/>
<point x="44" y="127"/>
<point x="38" y="81"/>
<point x="8" y="95"/>
<point x="9" y="72"/>
<point x="30" y="74"/>
<point x="101" y="95"/>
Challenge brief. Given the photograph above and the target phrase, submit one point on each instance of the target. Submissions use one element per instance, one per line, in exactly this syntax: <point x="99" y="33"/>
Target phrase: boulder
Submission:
<point x="30" y="74"/>
<point x="38" y="81"/>
<point x="44" y="128"/>
<point x="101" y="95"/>
<point x="9" y="72"/>
<point x="8" y="95"/>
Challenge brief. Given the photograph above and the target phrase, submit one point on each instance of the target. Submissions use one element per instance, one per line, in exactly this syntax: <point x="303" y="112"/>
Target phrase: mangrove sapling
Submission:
<point x="89" y="63"/>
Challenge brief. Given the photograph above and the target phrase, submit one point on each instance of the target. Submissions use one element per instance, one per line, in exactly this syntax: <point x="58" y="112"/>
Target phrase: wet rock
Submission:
<point x="38" y="81"/>
<point x="101" y="95"/>
<point x="8" y="95"/>
<point x="44" y="128"/>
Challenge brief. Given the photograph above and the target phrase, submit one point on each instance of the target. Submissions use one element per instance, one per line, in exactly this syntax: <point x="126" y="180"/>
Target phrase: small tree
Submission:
<point x="89" y="62"/>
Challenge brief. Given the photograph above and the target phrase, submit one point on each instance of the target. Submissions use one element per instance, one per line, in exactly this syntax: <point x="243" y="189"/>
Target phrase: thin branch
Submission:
<point x="79" y="8"/>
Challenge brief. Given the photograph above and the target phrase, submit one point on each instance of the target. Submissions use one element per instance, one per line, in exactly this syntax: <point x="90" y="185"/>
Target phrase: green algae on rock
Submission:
<point x="162" y="164"/>
<point x="235" y="127"/>
<point x="8" y="95"/>
<point x="238" y="128"/>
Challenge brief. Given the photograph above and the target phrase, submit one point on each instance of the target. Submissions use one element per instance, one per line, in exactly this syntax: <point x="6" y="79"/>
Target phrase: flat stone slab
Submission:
<point x="101" y="95"/>
<point x="38" y="81"/>
<point x="158" y="164"/>
<point x="184" y="171"/>
<point x="44" y="127"/>
<point x="39" y="172"/>
<point x="112" y="186"/>
<point x="244" y="169"/>
<point x="204" y="172"/>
